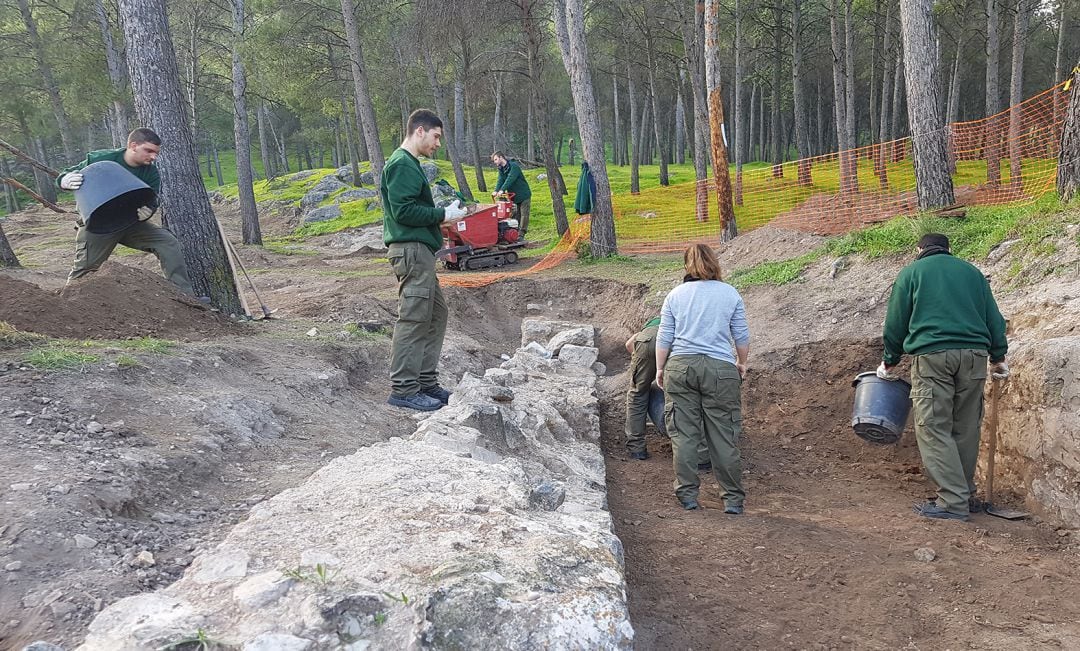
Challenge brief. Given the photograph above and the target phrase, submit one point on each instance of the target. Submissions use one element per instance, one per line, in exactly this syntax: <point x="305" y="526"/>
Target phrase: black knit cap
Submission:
<point x="934" y="240"/>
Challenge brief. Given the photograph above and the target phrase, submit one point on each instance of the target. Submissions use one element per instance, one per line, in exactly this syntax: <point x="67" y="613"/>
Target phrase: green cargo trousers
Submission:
<point x="421" y="324"/>
<point x="642" y="374"/>
<point x="522" y="210"/>
<point x="703" y="404"/>
<point x="92" y="250"/>
<point x="947" y="398"/>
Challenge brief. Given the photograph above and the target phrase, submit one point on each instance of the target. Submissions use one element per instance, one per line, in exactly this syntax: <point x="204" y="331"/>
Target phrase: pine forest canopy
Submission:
<point x="330" y="82"/>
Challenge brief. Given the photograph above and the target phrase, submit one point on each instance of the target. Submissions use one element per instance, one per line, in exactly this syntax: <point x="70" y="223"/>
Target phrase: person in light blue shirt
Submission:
<point x="701" y="352"/>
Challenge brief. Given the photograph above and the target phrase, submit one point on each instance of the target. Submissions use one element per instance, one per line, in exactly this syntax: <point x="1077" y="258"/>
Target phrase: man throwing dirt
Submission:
<point x="412" y="231"/>
<point x="943" y="313"/>
<point x="513" y="181"/>
<point x="93" y="249"/>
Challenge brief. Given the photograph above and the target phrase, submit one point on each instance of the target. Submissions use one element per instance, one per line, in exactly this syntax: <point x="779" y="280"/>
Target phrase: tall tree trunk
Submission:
<point x="7" y="254"/>
<point x="1068" y="174"/>
<point x="10" y="200"/>
<point x="849" y="76"/>
<point x="887" y="74"/>
<point x="778" y="62"/>
<point x="350" y="143"/>
<point x="269" y="168"/>
<point x="617" y="153"/>
<point x="45" y="185"/>
<point x="534" y="29"/>
<point x="497" y="141"/>
<point x="680" y="123"/>
<point x="802" y="138"/>
<point x="896" y="126"/>
<point x="530" y="128"/>
<point x="952" y="104"/>
<point x="1059" y="58"/>
<point x="364" y="108"/>
<point x="570" y="29"/>
<point x="217" y="160"/>
<point x="751" y="129"/>
<point x="249" y="213"/>
<point x="459" y="113"/>
<point x="693" y="36"/>
<point x="474" y="141"/>
<point x="819" y="122"/>
<point x="738" y="135"/>
<point x="849" y="180"/>
<point x="635" y="133"/>
<point x="993" y="93"/>
<point x="115" y="65"/>
<point x="658" y="129"/>
<point x="874" y="58"/>
<point x="448" y="136"/>
<point x="193" y="67"/>
<point x="721" y="174"/>
<point x="155" y="82"/>
<point x="1016" y="93"/>
<point x="52" y="89"/>
<point x="928" y="143"/>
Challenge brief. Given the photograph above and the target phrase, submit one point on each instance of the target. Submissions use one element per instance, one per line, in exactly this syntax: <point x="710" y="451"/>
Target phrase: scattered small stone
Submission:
<point x="13" y="566"/>
<point x="925" y="554"/>
<point x="62" y="608"/>
<point x="143" y="559"/>
<point x="83" y="541"/>
<point x="94" y="427"/>
<point x="314" y="332"/>
<point x="63" y="489"/>
<point x="22" y="486"/>
<point x="534" y="307"/>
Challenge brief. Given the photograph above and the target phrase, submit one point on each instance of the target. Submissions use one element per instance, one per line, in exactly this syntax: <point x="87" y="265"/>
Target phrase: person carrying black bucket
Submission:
<point x="94" y="245"/>
<point x="943" y="313"/>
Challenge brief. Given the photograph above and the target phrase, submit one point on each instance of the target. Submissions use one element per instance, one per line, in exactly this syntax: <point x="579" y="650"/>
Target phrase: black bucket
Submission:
<point x="656" y="409"/>
<point x="110" y="197"/>
<point x="881" y="408"/>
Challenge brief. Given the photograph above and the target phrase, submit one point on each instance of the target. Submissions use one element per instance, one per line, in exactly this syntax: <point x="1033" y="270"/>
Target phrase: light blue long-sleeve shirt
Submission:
<point x="703" y="317"/>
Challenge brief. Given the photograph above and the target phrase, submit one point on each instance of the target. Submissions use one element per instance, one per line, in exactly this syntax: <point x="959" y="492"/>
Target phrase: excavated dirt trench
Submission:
<point x="823" y="557"/>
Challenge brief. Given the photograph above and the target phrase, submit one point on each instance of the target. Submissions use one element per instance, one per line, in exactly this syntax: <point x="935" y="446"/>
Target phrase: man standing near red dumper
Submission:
<point x="513" y="181"/>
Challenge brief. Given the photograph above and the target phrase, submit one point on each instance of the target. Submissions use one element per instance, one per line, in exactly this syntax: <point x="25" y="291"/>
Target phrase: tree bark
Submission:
<point x="993" y="94"/>
<point x="459" y="114"/>
<point x="886" y="95"/>
<point x="46" y="187"/>
<point x="249" y="213"/>
<point x="7" y="254"/>
<point x="802" y="138"/>
<point x="680" y="124"/>
<point x="721" y="174"/>
<point x="1068" y="174"/>
<point x="1059" y="58"/>
<point x="658" y="129"/>
<point x="364" y="108"/>
<point x="534" y="29"/>
<point x="928" y="142"/>
<point x="193" y="68"/>
<point x="497" y="140"/>
<point x="635" y="132"/>
<point x="155" y="82"/>
<point x="117" y="111"/>
<point x="1016" y="92"/>
<point x="617" y="149"/>
<point x="778" y="62"/>
<point x="474" y="141"/>
<point x="530" y="128"/>
<point x="569" y="18"/>
<point x="693" y="37"/>
<point x="849" y="68"/>
<point x="448" y="135"/>
<point x="738" y="137"/>
<point x="849" y="170"/>
<point x="52" y="89"/>
<point x="269" y="166"/>
<point x="751" y="129"/>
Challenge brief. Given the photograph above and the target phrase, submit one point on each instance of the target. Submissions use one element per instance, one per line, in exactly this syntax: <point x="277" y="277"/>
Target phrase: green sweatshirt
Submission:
<point x="409" y="212"/>
<point x="942" y="303"/>
<point x="512" y="180"/>
<point x="148" y="174"/>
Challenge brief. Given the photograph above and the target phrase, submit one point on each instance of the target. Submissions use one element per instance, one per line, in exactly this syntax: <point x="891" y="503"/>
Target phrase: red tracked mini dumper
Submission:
<point x="486" y="237"/>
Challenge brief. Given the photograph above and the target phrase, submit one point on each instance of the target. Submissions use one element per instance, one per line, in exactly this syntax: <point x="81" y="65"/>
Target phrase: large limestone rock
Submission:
<point x="320" y="192"/>
<point x="486" y="529"/>
<point x="325" y="213"/>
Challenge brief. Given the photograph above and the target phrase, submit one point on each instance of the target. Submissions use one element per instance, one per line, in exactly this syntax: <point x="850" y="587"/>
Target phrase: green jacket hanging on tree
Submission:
<point x="586" y="187"/>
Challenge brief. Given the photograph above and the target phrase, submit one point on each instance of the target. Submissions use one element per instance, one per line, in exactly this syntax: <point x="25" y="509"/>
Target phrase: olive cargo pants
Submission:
<point x="92" y="250"/>
<point x="703" y="404"/>
<point x="947" y="398"/>
<point x="421" y="324"/>
<point x="642" y="374"/>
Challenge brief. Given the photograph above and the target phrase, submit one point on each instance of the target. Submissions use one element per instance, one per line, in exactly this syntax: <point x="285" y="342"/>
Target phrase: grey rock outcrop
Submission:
<point x="486" y="529"/>
<point x="356" y="195"/>
<point x="431" y="171"/>
<point x="325" y="213"/>
<point x="320" y="192"/>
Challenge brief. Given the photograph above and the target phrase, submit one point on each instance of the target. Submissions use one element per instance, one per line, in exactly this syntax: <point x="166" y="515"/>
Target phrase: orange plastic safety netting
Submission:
<point x="1005" y="158"/>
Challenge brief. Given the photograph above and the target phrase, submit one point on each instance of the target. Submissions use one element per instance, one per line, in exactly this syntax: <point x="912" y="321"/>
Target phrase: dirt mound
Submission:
<point x="765" y="244"/>
<point x="116" y="302"/>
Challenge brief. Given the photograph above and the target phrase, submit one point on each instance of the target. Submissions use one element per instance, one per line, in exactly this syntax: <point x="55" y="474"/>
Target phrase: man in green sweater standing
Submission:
<point x="412" y="232"/>
<point x="512" y="180"/>
<point x="943" y="313"/>
<point x="93" y="249"/>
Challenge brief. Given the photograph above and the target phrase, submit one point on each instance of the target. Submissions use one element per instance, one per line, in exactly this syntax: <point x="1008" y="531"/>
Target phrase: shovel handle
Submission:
<point x="995" y="389"/>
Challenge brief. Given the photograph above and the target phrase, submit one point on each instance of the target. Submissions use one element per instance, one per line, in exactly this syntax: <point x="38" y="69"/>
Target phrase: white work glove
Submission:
<point x="885" y="373"/>
<point x="999" y="371"/>
<point x="145" y="212"/>
<point x="71" y="181"/>
<point x="453" y="211"/>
